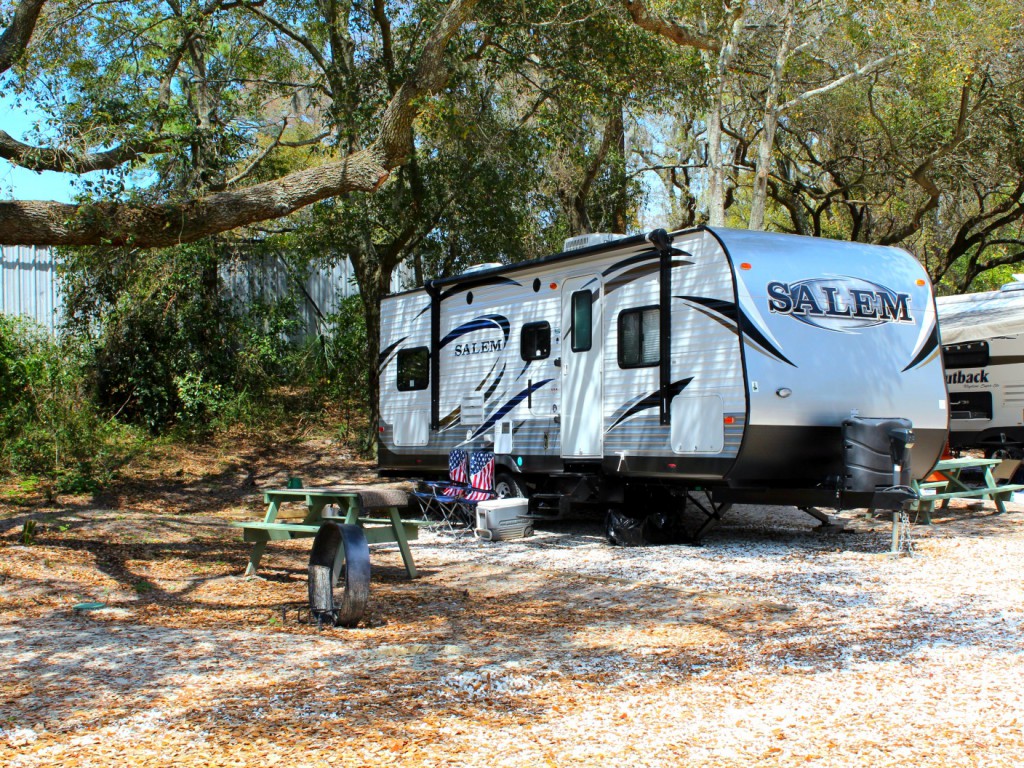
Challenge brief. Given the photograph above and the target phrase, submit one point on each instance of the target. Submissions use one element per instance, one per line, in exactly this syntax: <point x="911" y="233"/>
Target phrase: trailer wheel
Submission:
<point x="506" y="486"/>
<point x="1008" y="452"/>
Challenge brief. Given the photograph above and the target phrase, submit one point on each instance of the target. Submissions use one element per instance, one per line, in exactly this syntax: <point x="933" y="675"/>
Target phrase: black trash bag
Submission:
<point x="623" y="530"/>
<point x="667" y="528"/>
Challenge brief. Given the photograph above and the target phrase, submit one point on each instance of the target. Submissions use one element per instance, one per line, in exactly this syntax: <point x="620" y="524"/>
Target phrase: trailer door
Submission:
<point x="582" y="369"/>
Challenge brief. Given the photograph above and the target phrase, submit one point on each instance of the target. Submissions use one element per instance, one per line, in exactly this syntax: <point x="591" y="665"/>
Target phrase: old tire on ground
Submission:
<point x="507" y="486"/>
<point x="328" y="578"/>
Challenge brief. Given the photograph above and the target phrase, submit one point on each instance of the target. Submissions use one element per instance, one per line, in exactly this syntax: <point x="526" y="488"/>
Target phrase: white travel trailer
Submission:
<point x="983" y="347"/>
<point x="631" y="373"/>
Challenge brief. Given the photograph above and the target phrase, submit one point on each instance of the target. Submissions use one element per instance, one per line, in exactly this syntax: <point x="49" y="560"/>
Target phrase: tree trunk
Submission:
<point x="716" y="171"/>
<point x="716" y="157"/>
<point x="373" y="270"/>
<point x="770" y="123"/>
<point x="620" y="210"/>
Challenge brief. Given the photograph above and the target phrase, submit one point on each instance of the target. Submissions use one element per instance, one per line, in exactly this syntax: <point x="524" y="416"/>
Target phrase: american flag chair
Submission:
<point x="481" y="485"/>
<point x="443" y="497"/>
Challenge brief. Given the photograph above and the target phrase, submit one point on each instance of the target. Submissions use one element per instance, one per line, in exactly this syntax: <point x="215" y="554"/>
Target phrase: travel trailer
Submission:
<point x="983" y="347"/>
<point x="637" y="373"/>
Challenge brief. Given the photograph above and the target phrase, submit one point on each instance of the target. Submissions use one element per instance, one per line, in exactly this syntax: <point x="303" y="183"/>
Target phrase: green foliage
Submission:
<point x="340" y="361"/>
<point x="28" y="533"/>
<point x="50" y="431"/>
<point x="169" y="344"/>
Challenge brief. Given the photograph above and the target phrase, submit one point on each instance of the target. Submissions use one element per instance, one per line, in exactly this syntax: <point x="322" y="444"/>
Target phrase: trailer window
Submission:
<point x="413" y="369"/>
<point x="535" y="341"/>
<point x="971" y="355"/>
<point x="639" y="338"/>
<point x="582" y="320"/>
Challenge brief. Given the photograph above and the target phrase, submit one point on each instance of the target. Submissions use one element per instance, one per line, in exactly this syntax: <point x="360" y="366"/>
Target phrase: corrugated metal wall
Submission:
<point x="319" y="294"/>
<point x="28" y="285"/>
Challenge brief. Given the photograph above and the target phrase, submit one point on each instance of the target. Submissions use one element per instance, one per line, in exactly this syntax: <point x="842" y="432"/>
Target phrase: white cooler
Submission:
<point x="500" y="519"/>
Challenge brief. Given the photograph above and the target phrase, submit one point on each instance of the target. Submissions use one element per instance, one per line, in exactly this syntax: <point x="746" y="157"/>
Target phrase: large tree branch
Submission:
<point x="39" y="222"/>
<point x="668" y="28"/>
<point x="857" y="74"/>
<point x="68" y="161"/>
<point x="51" y="223"/>
<point x="15" y="38"/>
<point x="310" y="47"/>
<point x="387" y="49"/>
<point x="394" y="139"/>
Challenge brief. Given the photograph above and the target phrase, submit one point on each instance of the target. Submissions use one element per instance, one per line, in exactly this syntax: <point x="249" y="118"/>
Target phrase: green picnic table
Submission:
<point x="354" y="503"/>
<point x="950" y="484"/>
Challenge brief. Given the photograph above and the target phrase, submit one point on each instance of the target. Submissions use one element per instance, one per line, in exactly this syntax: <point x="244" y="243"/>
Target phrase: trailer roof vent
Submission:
<point x="482" y="267"/>
<point x="586" y="241"/>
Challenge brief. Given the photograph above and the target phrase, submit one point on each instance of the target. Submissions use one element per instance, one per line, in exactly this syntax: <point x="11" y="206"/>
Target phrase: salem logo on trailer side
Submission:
<point x="476" y="347"/>
<point x="840" y="303"/>
<point x="481" y="323"/>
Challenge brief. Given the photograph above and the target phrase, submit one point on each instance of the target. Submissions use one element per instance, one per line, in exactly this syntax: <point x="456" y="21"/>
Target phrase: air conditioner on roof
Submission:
<point x="586" y="241"/>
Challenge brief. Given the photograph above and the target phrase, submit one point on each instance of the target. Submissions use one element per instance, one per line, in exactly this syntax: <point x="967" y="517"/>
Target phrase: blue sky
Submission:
<point x="21" y="184"/>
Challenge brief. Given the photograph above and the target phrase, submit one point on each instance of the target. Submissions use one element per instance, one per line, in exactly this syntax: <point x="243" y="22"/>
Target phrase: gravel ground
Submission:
<point x="771" y="644"/>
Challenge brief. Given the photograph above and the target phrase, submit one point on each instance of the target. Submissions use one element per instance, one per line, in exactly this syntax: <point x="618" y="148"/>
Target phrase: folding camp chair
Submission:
<point x="481" y="485"/>
<point x="441" y="498"/>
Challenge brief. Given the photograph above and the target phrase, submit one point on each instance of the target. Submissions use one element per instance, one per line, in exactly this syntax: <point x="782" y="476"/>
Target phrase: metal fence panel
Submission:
<point x="28" y="284"/>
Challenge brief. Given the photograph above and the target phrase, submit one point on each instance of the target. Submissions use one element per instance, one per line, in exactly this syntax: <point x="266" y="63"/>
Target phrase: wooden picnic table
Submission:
<point x="951" y="484"/>
<point x="355" y="504"/>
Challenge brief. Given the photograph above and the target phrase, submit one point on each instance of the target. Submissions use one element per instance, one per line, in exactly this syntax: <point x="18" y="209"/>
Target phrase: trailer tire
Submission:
<point x="1006" y="452"/>
<point x="506" y="486"/>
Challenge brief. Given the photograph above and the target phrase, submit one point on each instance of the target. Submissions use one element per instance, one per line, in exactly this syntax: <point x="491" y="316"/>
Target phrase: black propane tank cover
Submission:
<point x="871" y="448"/>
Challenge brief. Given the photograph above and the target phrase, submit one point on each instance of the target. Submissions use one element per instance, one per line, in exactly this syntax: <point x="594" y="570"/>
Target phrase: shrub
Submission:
<point x="170" y="346"/>
<point x="50" y="427"/>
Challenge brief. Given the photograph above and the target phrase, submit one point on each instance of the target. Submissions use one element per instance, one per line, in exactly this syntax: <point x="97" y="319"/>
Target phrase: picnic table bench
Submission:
<point x="355" y="503"/>
<point x="951" y="485"/>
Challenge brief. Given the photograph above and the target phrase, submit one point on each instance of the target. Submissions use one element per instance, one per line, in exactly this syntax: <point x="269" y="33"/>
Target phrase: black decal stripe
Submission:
<point x="725" y="308"/>
<point x="729" y="325"/>
<point x="651" y="255"/>
<point x="476" y="324"/>
<point x="753" y="332"/>
<point x="732" y="312"/>
<point x="631" y="275"/>
<point x="485" y="379"/>
<point x="525" y="366"/>
<point x="451" y="419"/>
<point x="494" y="386"/>
<point x="929" y="346"/>
<point x="641" y="271"/>
<point x="481" y="283"/>
<point x="500" y="413"/>
<point x="645" y="256"/>
<point x="382" y="358"/>
<point x="652" y="400"/>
